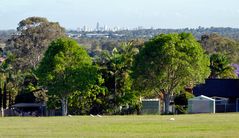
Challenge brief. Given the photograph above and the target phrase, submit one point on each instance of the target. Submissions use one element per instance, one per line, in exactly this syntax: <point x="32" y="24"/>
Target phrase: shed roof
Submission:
<point x="29" y="105"/>
<point x="202" y="97"/>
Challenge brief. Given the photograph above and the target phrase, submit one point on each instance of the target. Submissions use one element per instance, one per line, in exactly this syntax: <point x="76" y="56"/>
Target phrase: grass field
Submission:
<point x="201" y="125"/>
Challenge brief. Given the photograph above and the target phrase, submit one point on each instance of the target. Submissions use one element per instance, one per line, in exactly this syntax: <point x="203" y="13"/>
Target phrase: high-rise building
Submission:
<point x="97" y="26"/>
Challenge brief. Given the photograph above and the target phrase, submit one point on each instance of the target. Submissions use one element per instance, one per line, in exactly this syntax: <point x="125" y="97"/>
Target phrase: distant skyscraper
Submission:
<point x="105" y="28"/>
<point x="97" y="26"/>
<point x="86" y="29"/>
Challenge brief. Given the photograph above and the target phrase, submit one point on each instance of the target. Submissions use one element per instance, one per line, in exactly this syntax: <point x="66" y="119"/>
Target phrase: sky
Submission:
<point x="73" y="14"/>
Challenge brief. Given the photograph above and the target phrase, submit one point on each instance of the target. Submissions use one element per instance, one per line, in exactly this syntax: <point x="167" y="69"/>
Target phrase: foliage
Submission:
<point x="53" y="102"/>
<point x="181" y="102"/>
<point x="89" y="102"/>
<point x="216" y="44"/>
<point x="221" y="67"/>
<point x="182" y="98"/>
<point x="29" y="83"/>
<point x="115" y="68"/>
<point x="65" y="69"/>
<point x="9" y="81"/>
<point x="31" y="40"/>
<point x="168" y="63"/>
<point x="29" y="91"/>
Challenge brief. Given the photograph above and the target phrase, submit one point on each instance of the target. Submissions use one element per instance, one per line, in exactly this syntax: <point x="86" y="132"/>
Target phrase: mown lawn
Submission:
<point x="201" y="125"/>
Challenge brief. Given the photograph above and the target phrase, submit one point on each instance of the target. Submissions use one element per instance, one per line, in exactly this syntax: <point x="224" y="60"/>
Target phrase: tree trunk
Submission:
<point x="5" y="95"/>
<point x="166" y="103"/>
<point x="64" y="105"/>
<point x="9" y="99"/>
<point x="0" y="98"/>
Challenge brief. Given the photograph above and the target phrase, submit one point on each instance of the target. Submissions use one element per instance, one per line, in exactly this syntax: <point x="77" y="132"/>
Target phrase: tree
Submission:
<point x="90" y="101"/>
<point x="221" y="67"/>
<point x="66" y="68"/>
<point x="214" y="43"/>
<point x="31" y="40"/>
<point x="8" y="80"/>
<point x="30" y="92"/>
<point x="167" y="63"/>
<point x="115" y="68"/>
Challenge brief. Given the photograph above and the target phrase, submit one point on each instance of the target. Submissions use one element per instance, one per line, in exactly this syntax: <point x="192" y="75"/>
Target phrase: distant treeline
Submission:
<point x="5" y="34"/>
<point x="198" y="32"/>
<point x="95" y="45"/>
<point x="149" y="33"/>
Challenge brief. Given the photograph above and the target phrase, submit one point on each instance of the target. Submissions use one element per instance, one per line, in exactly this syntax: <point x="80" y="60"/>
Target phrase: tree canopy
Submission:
<point x="214" y="43"/>
<point x="115" y="68"/>
<point x="31" y="40"/>
<point x="168" y="63"/>
<point x="221" y="67"/>
<point x="66" y="68"/>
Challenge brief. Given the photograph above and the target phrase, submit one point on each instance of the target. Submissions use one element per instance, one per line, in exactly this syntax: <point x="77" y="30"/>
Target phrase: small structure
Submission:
<point x="222" y="104"/>
<point x="150" y="106"/>
<point x="30" y="109"/>
<point x="201" y="104"/>
<point x="226" y="88"/>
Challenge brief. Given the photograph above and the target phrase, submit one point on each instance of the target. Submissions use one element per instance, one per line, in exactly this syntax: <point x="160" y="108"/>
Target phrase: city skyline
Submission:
<point x="73" y="14"/>
<point x="103" y="27"/>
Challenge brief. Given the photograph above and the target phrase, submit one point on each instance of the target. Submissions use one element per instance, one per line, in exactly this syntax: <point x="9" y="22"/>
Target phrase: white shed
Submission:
<point x="201" y="104"/>
<point x="150" y="106"/>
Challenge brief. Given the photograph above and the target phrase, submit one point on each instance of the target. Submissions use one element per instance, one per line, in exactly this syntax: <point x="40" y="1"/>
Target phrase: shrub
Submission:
<point x="181" y="102"/>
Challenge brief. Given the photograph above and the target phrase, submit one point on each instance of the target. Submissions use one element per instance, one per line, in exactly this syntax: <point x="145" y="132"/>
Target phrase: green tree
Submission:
<point x="115" y="68"/>
<point x="168" y="63"/>
<point x="9" y="81"/>
<point x="29" y="91"/>
<point x="65" y="69"/>
<point x="31" y="40"/>
<point x="221" y="67"/>
<point x="90" y="101"/>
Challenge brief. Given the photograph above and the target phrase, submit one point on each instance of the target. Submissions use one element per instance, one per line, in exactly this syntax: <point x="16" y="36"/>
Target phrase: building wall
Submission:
<point x="201" y="106"/>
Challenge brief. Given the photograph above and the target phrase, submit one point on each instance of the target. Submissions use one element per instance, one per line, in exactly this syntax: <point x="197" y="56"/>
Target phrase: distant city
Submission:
<point x="125" y="33"/>
<point x="104" y="28"/>
<point x="103" y="31"/>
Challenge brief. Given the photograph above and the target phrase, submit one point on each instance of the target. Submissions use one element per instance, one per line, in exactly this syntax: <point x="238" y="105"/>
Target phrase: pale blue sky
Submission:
<point x="124" y="13"/>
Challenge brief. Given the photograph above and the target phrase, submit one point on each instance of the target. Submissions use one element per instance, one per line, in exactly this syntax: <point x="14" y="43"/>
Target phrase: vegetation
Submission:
<point x="181" y="102"/>
<point x="5" y="35"/>
<point x="200" y="125"/>
<point x="221" y="67"/>
<point x="65" y="68"/>
<point x="115" y="68"/>
<point x="168" y="63"/>
<point x="8" y="82"/>
<point x="31" y="40"/>
<point x="108" y="74"/>
<point x="216" y="44"/>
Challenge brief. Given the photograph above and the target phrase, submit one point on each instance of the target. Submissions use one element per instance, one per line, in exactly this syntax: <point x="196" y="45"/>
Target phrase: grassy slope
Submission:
<point x="203" y="125"/>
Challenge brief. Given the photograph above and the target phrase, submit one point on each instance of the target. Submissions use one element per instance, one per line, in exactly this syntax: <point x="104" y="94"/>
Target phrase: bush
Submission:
<point x="181" y="102"/>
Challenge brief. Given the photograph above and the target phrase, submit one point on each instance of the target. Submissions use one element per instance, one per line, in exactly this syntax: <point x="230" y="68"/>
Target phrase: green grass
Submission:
<point x="201" y="125"/>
